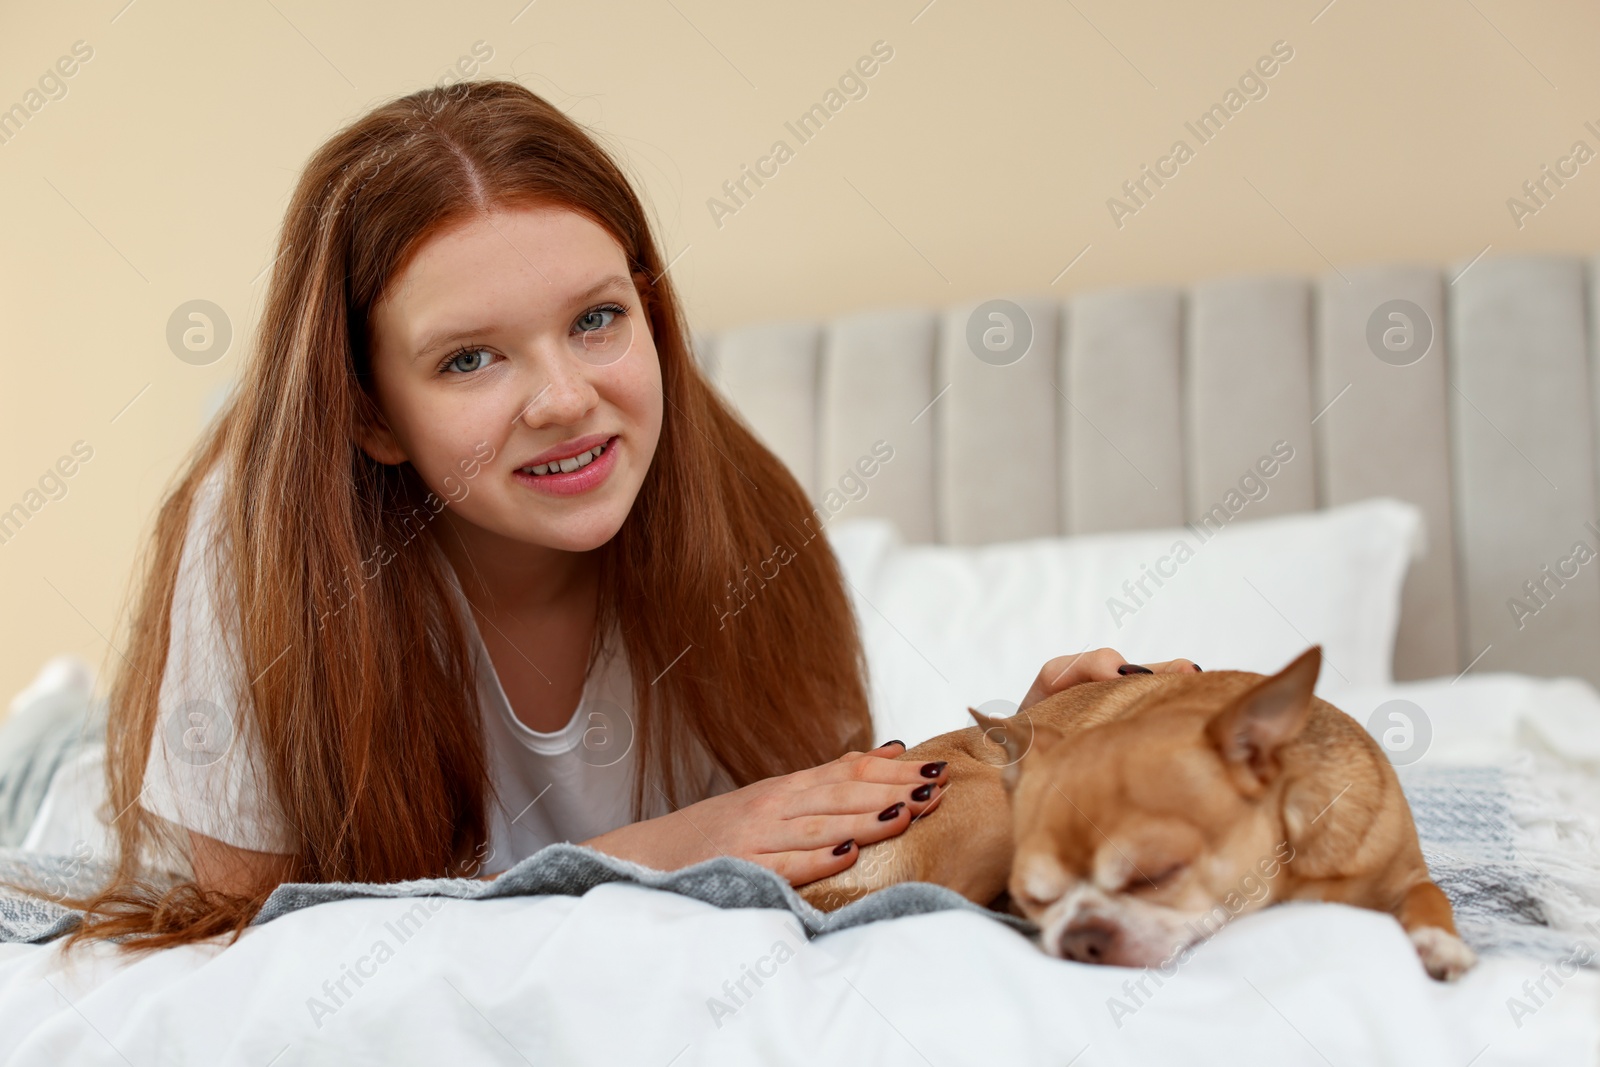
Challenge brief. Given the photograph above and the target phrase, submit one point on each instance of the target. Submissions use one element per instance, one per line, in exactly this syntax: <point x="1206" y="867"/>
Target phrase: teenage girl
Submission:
<point x="440" y="584"/>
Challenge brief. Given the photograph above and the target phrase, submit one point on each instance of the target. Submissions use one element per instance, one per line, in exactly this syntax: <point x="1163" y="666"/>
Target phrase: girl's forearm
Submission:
<point x="657" y="843"/>
<point x="653" y="843"/>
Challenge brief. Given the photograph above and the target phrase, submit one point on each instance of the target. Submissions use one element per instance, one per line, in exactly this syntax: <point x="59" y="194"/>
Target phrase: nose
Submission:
<point x="1088" y="941"/>
<point x="564" y="397"/>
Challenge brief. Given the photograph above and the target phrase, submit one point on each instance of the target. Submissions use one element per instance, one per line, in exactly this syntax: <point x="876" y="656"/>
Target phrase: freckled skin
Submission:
<point x="1132" y="761"/>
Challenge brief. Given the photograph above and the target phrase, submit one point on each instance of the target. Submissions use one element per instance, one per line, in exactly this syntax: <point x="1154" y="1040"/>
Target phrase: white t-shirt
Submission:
<point x="569" y="785"/>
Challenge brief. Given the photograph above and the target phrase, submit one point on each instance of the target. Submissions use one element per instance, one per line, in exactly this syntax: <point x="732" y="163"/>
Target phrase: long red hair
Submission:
<point x="374" y="752"/>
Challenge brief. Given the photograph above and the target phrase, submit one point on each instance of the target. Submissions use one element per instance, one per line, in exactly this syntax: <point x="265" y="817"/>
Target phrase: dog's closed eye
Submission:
<point x="1038" y="881"/>
<point x="1157" y="877"/>
<point x="1037" y="901"/>
<point x="1027" y="900"/>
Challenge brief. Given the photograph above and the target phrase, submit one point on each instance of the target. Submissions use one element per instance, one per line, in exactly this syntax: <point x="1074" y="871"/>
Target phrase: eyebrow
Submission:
<point x="451" y="335"/>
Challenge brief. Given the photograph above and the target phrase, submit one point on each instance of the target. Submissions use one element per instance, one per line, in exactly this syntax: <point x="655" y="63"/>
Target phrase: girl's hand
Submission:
<point x="1101" y="665"/>
<point x="794" y="824"/>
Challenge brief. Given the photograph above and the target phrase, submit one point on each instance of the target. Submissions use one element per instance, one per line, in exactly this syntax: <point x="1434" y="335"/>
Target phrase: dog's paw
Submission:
<point x="1445" y="955"/>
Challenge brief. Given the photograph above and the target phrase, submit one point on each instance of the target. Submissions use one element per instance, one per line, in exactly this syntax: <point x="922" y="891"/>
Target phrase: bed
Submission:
<point x="1443" y="468"/>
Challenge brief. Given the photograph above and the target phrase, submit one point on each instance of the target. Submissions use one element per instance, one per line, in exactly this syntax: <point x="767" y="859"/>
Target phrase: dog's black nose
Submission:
<point x="1087" y="942"/>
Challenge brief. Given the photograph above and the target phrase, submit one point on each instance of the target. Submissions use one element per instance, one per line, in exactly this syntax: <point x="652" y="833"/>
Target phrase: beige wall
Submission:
<point x="979" y="161"/>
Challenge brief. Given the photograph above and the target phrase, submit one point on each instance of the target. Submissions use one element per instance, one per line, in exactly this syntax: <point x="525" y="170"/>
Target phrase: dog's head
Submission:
<point x="1145" y="834"/>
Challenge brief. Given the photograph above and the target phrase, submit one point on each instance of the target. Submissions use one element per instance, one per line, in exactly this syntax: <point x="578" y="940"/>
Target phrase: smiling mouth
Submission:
<point x="570" y="464"/>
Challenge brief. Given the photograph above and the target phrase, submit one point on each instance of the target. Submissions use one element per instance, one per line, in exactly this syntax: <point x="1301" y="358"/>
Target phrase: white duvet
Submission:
<point x="626" y="975"/>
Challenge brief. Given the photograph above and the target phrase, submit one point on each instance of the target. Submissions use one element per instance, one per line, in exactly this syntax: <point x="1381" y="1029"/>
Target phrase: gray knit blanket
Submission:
<point x="1510" y="896"/>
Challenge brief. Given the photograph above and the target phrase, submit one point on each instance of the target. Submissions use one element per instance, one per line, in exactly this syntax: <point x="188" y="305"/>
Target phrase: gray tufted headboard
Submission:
<point x="1143" y="407"/>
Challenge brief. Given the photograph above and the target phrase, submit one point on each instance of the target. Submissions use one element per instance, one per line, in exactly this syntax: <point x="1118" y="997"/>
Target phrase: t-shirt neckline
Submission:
<point x="553" y="743"/>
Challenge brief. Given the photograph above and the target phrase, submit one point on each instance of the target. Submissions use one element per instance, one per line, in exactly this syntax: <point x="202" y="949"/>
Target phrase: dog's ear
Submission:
<point x="1014" y="737"/>
<point x="1249" y="732"/>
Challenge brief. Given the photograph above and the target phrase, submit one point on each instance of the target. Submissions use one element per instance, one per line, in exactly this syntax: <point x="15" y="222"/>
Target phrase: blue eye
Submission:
<point x="466" y="361"/>
<point x="598" y="318"/>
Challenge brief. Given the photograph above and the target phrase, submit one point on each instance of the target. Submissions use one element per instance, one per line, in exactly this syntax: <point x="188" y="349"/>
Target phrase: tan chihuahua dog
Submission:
<point x="1131" y="819"/>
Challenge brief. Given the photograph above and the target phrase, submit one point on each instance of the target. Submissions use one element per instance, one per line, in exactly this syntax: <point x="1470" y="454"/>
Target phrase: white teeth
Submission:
<point x="570" y="464"/>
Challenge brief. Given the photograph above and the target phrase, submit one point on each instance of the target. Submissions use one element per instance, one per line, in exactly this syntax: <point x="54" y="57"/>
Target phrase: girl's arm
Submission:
<point x="228" y="868"/>
<point x="805" y="825"/>
<point x="792" y="824"/>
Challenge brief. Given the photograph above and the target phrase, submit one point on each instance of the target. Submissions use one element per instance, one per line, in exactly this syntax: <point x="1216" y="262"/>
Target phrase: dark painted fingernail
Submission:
<point x="931" y="770"/>
<point x="922" y="792"/>
<point x="902" y="744"/>
<point x="842" y="849"/>
<point x="1197" y="666"/>
<point x="1133" y="668"/>
<point x="891" y="811"/>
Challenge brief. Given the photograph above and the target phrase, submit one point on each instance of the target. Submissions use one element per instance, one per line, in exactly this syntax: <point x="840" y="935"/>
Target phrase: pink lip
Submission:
<point x="579" y="481"/>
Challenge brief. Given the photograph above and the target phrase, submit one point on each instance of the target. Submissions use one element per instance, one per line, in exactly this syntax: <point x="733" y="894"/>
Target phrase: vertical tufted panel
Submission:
<point x="1248" y="383"/>
<point x="1384" y="430"/>
<point x="770" y="373"/>
<point x="1522" y="409"/>
<point x="1121" y="411"/>
<point x="877" y="376"/>
<point x="998" y="453"/>
<point x="1159" y="401"/>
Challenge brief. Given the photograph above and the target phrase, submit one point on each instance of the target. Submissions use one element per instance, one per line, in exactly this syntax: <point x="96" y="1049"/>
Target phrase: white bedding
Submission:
<point x="626" y="975"/>
<point x="623" y="976"/>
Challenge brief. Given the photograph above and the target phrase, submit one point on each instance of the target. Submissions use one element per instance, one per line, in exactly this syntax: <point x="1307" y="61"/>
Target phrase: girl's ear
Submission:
<point x="373" y="436"/>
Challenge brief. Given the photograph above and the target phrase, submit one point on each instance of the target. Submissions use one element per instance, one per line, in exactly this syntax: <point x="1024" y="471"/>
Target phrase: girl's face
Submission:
<point x="514" y="367"/>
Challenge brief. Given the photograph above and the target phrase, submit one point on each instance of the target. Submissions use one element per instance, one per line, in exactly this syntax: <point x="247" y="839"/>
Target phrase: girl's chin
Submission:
<point x="586" y="534"/>
<point x="564" y="525"/>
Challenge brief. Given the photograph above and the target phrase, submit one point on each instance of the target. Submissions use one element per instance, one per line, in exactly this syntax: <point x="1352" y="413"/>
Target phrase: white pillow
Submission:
<point x="946" y="627"/>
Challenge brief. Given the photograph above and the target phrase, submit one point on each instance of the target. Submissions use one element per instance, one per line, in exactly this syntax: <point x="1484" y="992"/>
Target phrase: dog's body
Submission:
<point x="1122" y="817"/>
